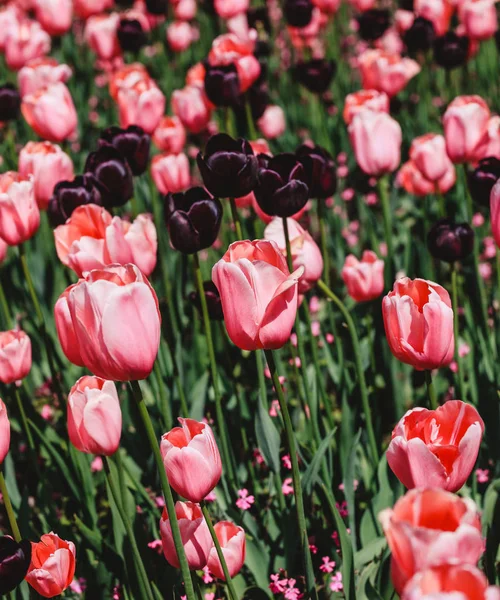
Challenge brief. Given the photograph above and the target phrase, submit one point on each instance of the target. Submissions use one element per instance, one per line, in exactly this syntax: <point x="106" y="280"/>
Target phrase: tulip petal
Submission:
<point x="102" y="420"/>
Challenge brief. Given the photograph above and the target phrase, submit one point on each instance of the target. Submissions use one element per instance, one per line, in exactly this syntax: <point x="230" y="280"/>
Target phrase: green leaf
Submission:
<point x="268" y="438"/>
<point x="310" y="476"/>
<point x="93" y="537"/>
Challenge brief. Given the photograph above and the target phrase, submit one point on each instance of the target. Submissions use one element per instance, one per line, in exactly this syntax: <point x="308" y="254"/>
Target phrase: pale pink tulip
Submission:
<point x="15" y="355"/>
<point x="19" y="213"/>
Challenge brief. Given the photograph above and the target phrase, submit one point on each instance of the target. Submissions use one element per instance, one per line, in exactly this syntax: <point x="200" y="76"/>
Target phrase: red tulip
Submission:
<point x="52" y="565"/>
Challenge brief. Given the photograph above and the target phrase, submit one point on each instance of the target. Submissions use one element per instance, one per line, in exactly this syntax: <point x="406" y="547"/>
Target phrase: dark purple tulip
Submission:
<point x="131" y="35"/>
<point x="419" y="37"/>
<point x="193" y="219"/>
<point x="15" y="558"/>
<point x="222" y="84"/>
<point x="298" y="13"/>
<point x="451" y="50"/>
<point x="132" y="143"/>
<point x="320" y="169"/>
<point x="282" y="188"/>
<point x="113" y="174"/>
<point x="482" y="179"/>
<point x="373" y="23"/>
<point x="157" y="7"/>
<point x="68" y="195"/>
<point x="228" y="167"/>
<point x="316" y="74"/>
<point x="258" y="17"/>
<point x="450" y="241"/>
<point x="212" y="297"/>
<point x="10" y="102"/>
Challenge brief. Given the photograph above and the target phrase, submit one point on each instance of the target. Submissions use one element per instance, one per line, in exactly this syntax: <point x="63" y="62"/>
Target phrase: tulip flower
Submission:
<point x="191" y="106"/>
<point x="321" y="170"/>
<point x="25" y="40"/>
<point x="55" y="16"/>
<point x="428" y="152"/>
<point x="4" y="432"/>
<point x="465" y="122"/>
<point x="258" y="294"/>
<point x="141" y="104"/>
<point x="191" y="459"/>
<point x="40" y="73"/>
<point x="272" y="123"/>
<point x="364" y="99"/>
<point x="69" y="195"/>
<point x="19" y="214"/>
<point x="430" y="527"/>
<point x="411" y="179"/>
<point x="386" y="72"/>
<point x="170" y="172"/>
<point x="495" y="212"/>
<point x="195" y="535"/>
<point x="100" y="35"/>
<point x="450" y="241"/>
<point x="418" y="321"/>
<point x="479" y="18"/>
<point x="132" y="143"/>
<point x="15" y="560"/>
<point x="94" y="416"/>
<point x="52" y="565"/>
<point x="170" y="135"/>
<point x="233" y="545"/>
<point x="113" y="175"/>
<point x="65" y="330"/>
<point x="364" y="279"/>
<point x="15" y="355"/>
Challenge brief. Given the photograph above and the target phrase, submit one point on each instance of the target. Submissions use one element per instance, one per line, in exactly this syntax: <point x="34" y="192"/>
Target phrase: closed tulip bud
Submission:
<point x="227" y="9"/>
<point x="141" y="104"/>
<point x="15" y="560"/>
<point x="459" y="582"/>
<point x="24" y="41"/>
<point x="436" y="448"/>
<point x="49" y="165"/>
<point x="19" y="213"/>
<point x="233" y="545"/>
<point x="100" y="35"/>
<point x="298" y="13"/>
<point x="429" y="527"/>
<point x="465" y="122"/>
<point x="10" y="103"/>
<point x="40" y="73"/>
<point x="94" y="416"/>
<point x="191" y="106"/>
<point x="272" y="122"/>
<point x="482" y="179"/>
<point x="180" y="35"/>
<point x="414" y="182"/>
<point x="305" y="251"/>
<point x="15" y="355"/>
<point x="191" y="458"/>
<point x="86" y="8"/>
<point x="4" y="437"/>
<point x="132" y="143"/>
<point x="418" y="321"/>
<point x="479" y="18"/>
<point x="222" y="84"/>
<point x="131" y="35"/>
<point x="55" y="16"/>
<point x="451" y="50"/>
<point x="170" y="172"/>
<point x="259" y="295"/>
<point x="316" y="74"/>
<point x="283" y="185"/>
<point x="195" y="535"/>
<point x="113" y="175"/>
<point x="364" y="99"/>
<point x="450" y="241"/>
<point x="52" y="565"/>
<point x="68" y="195"/>
<point x="376" y="140"/>
<point x="386" y="71"/>
<point x="321" y="170"/>
<point x="65" y="329"/>
<point x="428" y="152"/>
<point x="364" y="279"/>
<point x="185" y="10"/>
<point x="420" y="36"/>
<point x="373" y="23"/>
<point x="212" y="298"/>
<point x="193" y="220"/>
<point x="114" y="320"/>
<point x="228" y="167"/>
<point x="170" y="135"/>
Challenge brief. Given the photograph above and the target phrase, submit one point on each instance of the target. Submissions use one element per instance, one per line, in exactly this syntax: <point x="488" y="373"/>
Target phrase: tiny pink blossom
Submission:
<point x="328" y="565"/>
<point x="96" y="465"/>
<point x="485" y="270"/>
<point x="207" y="577"/>
<point x="482" y="475"/>
<point x="156" y="545"/>
<point x="160" y="501"/>
<point x="342" y="171"/>
<point x="210" y="497"/>
<point x="315" y="328"/>
<point x="313" y="305"/>
<point x="463" y="349"/>
<point x="277" y="585"/>
<point x="275" y="407"/>
<point x="313" y="549"/>
<point x="293" y="339"/>
<point x="330" y="338"/>
<point x="244" y="501"/>
<point x="336" y="584"/>
<point x="287" y="463"/>
<point x="287" y="487"/>
<point x="477" y="220"/>
<point x="347" y="195"/>
<point x="47" y="412"/>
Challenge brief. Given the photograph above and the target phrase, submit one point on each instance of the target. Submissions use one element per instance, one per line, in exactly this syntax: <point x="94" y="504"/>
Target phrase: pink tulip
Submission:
<point x="179" y="36"/>
<point x="170" y="135"/>
<point x="305" y="251"/>
<point x="438" y="12"/>
<point x="430" y="527"/>
<point x="362" y="5"/>
<point x="86" y="8"/>
<point x="49" y="165"/>
<point x="185" y="10"/>
<point x="10" y="17"/>
<point x="272" y="123"/>
<point x="328" y="7"/>
<point x="465" y="122"/>
<point x="229" y="49"/>
<point x="100" y="35"/>
<point x="436" y="448"/>
<point x="195" y="535"/>
<point x="362" y="100"/>
<point x="15" y="355"/>
<point x="233" y="545"/>
<point x="4" y="432"/>
<point x="489" y="144"/>
<point x="25" y="41"/>
<point x="376" y="140"/>
<point x="191" y="106"/>
<point x="428" y="152"/>
<point x="191" y="459"/>
<point x="91" y="239"/>
<point x="413" y="181"/>
<point x="126" y="77"/>
<point x="142" y="104"/>
<point x="226" y="9"/>
<point x="50" y="112"/>
<point x="65" y="330"/>
<point x="39" y="73"/>
<point x="495" y="212"/>
<point x="479" y="18"/>
<point x="115" y="321"/>
<point x="386" y="72"/>
<point x="364" y="279"/>
<point x="449" y="582"/>
<point x="94" y="416"/>
<point x="52" y="565"/>
<point x="258" y="294"/>
<point x="170" y="172"/>
<point x="19" y="214"/>
<point x="418" y="321"/>
<point x="55" y="16"/>
<point x="403" y="20"/>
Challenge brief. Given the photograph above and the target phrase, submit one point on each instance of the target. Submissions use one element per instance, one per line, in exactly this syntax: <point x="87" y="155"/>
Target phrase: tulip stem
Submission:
<point x="252" y="132"/>
<point x="359" y="369"/>
<point x="220" y="554"/>
<point x="213" y="369"/>
<point x="382" y="185"/>
<point x="458" y="358"/>
<point x="24" y="419"/>
<point x="5" y="308"/>
<point x="164" y="403"/>
<point x="297" y="487"/>
<point x="167" y="492"/>
<point x="323" y="240"/>
<point x="431" y="392"/>
<point x="236" y="218"/>
<point x="119" y="498"/>
<point x="8" y="507"/>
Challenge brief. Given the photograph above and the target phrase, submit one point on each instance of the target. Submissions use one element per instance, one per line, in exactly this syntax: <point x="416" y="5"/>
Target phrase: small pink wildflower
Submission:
<point x="287" y="487"/>
<point x="287" y="463"/>
<point x="328" y="565"/>
<point x="244" y="501"/>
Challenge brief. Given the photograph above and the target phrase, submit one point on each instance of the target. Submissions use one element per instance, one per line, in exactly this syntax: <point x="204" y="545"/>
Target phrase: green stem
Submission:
<point x="5" y="308"/>
<point x="324" y="241"/>
<point x="454" y="300"/>
<point x="142" y="576"/>
<point x="297" y="486"/>
<point x="236" y="219"/>
<point x="359" y="369"/>
<point x="24" y="419"/>
<point x="164" y="403"/>
<point x="220" y="554"/>
<point x="8" y="507"/>
<point x="213" y="370"/>
<point x="167" y="492"/>
<point x="382" y="185"/>
<point x="252" y="132"/>
<point x="441" y="203"/>
<point x="431" y="392"/>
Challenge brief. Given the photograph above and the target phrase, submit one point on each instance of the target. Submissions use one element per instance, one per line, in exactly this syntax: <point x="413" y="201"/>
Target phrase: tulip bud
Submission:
<point x="132" y="143"/>
<point x="15" y="355"/>
<point x="373" y="23"/>
<point x="420" y="36"/>
<point x="222" y="84"/>
<point x="130" y="35"/>
<point x="282" y="187"/>
<point x="191" y="458"/>
<point x="19" y="213"/>
<point x="451" y="50"/>
<point x="94" y="416"/>
<point x="298" y="13"/>
<point x="65" y="330"/>
<point x="170" y="135"/>
<point x="4" y="435"/>
<point x="316" y="74"/>
<point x="195" y="536"/>
<point x="52" y="565"/>
<point x="212" y="298"/>
<point x="320" y="169"/>
<point x="10" y="103"/>
<point x="482" y="179"/>
<point x="450" y="241"/>
<point x="68" y="195"/>
<point x="233" y="545"/>
<point x="112" y="174"/>
<point x="364" y="279"/>
<point x="15" y="560"/>
<point x="229" y="166"/>
<point x="193" y="219"/>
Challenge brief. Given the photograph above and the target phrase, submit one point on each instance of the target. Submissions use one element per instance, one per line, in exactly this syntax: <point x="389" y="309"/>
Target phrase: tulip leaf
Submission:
<point x="268" y="438"/>
<point x="310" y="476"/>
